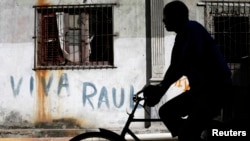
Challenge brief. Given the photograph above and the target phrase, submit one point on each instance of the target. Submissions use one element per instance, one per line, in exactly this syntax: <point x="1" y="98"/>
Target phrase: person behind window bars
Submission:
<point x="196" y="56"/>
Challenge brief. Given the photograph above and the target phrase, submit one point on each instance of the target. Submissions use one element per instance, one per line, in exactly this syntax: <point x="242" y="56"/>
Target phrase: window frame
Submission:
<point x="239" y="13"/>
<point x="40" y="61"/>
<point x="229" y="10"/>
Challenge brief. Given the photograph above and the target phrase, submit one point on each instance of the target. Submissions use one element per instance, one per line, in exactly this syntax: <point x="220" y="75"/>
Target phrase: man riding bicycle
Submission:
<point x="196" y="56"/>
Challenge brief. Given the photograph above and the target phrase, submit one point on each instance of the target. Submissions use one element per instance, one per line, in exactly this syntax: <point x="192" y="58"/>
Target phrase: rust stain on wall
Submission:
<point x="43" y="113"/>
<point x="42" y="2"/>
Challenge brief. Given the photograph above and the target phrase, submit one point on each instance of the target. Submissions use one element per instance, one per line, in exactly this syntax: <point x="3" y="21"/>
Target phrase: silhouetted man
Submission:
<point x="196" y="56"/>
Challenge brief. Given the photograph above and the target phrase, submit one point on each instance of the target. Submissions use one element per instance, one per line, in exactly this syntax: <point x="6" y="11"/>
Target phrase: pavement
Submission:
<point x="67" y="134"/>
<point x="64" y="139"/>
<point x="35" y="139"/>
<point x="38" y="134"/>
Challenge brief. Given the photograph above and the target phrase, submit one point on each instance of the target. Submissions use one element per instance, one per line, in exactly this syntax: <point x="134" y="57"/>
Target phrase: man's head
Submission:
<point x="175" y="14"/>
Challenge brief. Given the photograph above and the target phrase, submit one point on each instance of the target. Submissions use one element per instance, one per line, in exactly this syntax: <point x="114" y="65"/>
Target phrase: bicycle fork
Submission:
<point x="126" y="127"/>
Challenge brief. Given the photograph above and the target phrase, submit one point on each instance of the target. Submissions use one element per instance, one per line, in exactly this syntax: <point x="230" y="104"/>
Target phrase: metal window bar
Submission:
<point x="229" y="23"/>
<point x="74" y="36"/>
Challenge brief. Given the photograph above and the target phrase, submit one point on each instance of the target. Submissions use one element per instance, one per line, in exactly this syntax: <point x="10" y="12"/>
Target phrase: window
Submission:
<point x="74" y="36"/>
<point x="229" y="23"/>
<point x="232" y="33"/>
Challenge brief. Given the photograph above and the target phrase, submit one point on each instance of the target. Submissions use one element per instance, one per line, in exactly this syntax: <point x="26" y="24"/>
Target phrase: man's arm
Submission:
<point x="171" y="76"/>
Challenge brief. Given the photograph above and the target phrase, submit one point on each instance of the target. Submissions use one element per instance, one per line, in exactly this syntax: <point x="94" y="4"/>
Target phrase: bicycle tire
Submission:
<point x="94" y="136"/>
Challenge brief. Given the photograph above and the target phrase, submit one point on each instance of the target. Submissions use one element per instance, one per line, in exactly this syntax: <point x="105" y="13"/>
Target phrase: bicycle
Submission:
<point x="108" y="135"/>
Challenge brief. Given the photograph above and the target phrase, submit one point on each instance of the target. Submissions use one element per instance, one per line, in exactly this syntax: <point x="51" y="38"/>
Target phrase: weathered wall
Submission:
<point x="80" y="97"/>
<point x="77" y="98"/>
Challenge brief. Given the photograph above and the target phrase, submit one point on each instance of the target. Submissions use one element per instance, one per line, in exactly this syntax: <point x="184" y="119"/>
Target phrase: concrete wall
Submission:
<point x="84" y="98"/>
<point x="77" y="98"/>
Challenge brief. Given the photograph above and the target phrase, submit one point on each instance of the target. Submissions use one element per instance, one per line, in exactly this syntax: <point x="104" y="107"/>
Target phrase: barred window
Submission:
<point x="229" y="23"/>
<point x="232" y="33"/>
<point x="74" y="36"/>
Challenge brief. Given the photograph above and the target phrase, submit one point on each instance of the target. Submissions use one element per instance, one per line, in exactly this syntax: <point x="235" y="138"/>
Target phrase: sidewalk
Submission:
<point x="35" y="139"/>
<point x="66" y="139"/>
<point x="66" y="134"/>
<point x="38" y="134"/>
<point x="55" y="139"/>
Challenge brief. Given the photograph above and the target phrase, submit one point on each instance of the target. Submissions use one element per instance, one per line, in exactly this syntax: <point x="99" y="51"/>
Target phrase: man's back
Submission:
<point x="199" y="57"/>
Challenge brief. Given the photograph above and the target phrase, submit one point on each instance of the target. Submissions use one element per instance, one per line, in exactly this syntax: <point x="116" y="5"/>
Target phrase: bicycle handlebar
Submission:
<point x="137" y="98"/>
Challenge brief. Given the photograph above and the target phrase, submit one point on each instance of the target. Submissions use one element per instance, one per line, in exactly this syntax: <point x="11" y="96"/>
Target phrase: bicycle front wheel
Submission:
<point x="94" y="136"/>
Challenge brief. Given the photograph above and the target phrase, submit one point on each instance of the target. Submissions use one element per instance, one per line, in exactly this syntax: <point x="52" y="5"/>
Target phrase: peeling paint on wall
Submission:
<point x="14" y="119"/>
<point x="62" y="123"/>
<point x="51" y="90"/>
<point x="47" y="97"/>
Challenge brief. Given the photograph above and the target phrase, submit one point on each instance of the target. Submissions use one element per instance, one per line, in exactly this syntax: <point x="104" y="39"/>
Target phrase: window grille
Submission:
<point x="74" y="36"/>
<point x="228" y="22"/>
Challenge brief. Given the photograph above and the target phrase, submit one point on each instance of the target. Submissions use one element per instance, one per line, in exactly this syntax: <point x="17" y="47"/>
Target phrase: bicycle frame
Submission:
<point x="108" y="134"/>
<point x="131" y="118"/>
